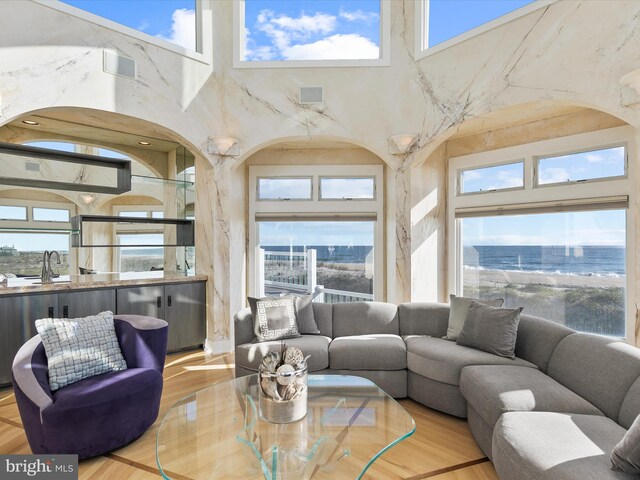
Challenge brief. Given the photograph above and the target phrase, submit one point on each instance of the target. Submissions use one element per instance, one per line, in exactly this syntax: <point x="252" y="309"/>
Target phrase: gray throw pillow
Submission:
<point x="79" y="348"/>
<point x="625" y="456"/>
<point x="274" y="318"/>
<point x="491" y="329"/>
<point x="305" y="318"/>
<point x="458" y="313"/>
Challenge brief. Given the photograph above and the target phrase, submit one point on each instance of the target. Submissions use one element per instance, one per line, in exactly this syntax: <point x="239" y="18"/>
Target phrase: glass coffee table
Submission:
<point x="217" y="432"/>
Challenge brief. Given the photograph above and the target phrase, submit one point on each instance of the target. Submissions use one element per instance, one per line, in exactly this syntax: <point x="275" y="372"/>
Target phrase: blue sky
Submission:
<point x="316" y="233"/>
<point x="299" y="29"/>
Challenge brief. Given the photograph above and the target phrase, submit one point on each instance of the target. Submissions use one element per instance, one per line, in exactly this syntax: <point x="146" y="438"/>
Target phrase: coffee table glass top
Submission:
<point x="217" y="432"/>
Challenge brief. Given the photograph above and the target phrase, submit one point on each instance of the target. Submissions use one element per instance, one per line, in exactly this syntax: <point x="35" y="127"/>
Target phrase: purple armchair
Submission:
<point x="100" y="413"/>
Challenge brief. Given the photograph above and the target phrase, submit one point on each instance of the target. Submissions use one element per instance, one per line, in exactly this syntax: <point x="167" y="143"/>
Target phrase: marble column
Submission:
<point x="399" y="212"/>
<point x="171" y="193"/>
<point x="634" y="167"/>
<point x="212" y="213"/>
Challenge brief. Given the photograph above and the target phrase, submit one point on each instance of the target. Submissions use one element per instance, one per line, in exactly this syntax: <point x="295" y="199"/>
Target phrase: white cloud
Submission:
<point x="183" y="28"/>
<point x="594" y="158"/>
<point x="349" y="46"/>
<point x="144" y="24"/>
<point x="358" y="16"/>
<point x="554" y="175"/>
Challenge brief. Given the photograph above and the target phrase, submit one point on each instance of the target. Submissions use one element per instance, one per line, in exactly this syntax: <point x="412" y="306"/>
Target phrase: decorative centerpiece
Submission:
<point x="283" y="385"/>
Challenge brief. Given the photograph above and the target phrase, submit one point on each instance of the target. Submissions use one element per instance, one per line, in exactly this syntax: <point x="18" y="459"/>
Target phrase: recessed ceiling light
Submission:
<point x="30" y="122"/>
<point x="144" y="143"/>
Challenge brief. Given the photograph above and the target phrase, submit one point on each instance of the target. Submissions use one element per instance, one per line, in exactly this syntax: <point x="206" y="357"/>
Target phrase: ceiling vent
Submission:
<point x="32" y="166"/>
<point x="311" y="95"/>
<point x="119" y="65"/>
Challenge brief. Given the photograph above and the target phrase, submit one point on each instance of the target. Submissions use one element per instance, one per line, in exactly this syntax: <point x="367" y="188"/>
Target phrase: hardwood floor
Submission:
<point x="441" y="448"/>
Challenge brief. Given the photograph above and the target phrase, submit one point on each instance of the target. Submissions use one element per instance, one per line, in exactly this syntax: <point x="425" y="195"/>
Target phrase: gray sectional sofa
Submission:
<point x="554" y="412"/>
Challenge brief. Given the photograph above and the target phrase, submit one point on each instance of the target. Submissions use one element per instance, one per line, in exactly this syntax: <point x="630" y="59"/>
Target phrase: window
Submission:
<point x="345" y="188"/>
<point x="8" y="212"/>
<point x="21" y="253"/>
<point x="489" y="179"/>
<point x="284" y="188"/>
<point x="305" y="243"/>
<point x="568" y="267"/>
<point x="141" y="258"/>
<point x="50" y="214"/>
<point x="300" y="256"/>
<point x="442" y="23"/>
<point x="171" y="20"/>
<point x="582" y="166"/>
<point x="322" y="33"/>
<point x="559" y="250"/>
<point x="133" y="214"/>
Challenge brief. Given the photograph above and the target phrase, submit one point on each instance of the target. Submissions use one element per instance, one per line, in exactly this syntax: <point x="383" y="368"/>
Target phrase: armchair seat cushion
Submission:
<point x="102" y="412"/>
<point x="249" y="355"/>
<point x="552" y="446"/>
<point x="496" y="389"/>
<point x="443" y="360"/>
<point x="368" y="352"/>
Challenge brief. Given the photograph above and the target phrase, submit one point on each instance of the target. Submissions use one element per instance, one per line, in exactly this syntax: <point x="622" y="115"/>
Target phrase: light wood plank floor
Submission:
<point x="441" y="448"/>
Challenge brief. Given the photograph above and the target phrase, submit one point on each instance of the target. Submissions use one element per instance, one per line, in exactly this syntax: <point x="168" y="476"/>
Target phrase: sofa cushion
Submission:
<point x="599" y="369"/>
<point x="552" y="446"/>
<point x="443" y="360"/>
<point x="630" y="408"/>
<point x="625" y="456"/>
<point x="491" y="329"/>
<point x="363" y="318"/>
<point x="305" y="317"/>
<point x="249" y="355"/>
<point x="458" y="313"/>
<point x="79" y="348"/>
<point x="274" y="318"/>
<point x="368" y="352"/>
<point x="421" y="318"/>
<point x="538" y="338"/>
<point x="495" y="389"/>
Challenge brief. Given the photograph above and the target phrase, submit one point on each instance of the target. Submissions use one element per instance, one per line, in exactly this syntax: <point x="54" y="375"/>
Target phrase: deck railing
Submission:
<point x="296" y="272"/>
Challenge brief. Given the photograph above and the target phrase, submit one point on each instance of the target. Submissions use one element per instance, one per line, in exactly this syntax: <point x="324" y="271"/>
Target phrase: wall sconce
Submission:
<point x="88" y="199"/>
<point x="223" y="146"/>
<point x="401" y="144"/>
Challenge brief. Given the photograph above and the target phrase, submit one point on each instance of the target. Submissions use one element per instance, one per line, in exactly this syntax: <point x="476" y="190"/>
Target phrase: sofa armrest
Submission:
<point x="243" y="327"/>
<point x="143" y="340"/>
<point x="31" y="373"/>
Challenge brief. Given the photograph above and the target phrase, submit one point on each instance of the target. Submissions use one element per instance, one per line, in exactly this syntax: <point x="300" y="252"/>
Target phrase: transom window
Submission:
<point x="347" y="188"/>
<point x="491" y="179"/>
<point x="284" y="188"/>
<point x="557" y="248"/>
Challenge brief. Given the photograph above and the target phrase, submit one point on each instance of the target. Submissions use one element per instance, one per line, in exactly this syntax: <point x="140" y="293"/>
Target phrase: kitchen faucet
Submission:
<point x="47" y="272"/>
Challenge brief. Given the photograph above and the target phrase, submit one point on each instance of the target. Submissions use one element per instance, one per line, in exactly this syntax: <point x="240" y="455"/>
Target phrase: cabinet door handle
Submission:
<point x="169" y="301"/>
<point x="65" y="311"/>
<point x="50" y="312"/>
<point x="159" y="302"/>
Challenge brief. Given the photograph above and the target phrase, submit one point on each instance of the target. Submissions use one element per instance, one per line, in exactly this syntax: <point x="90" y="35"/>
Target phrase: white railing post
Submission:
<point x="260" y="273"/>
<point x="312" y="276"/>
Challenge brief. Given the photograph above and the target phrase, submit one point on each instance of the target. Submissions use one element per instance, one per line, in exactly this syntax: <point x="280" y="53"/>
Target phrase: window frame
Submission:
<point x="284" y="177"/>
<point x="317" y="210"/>
<point x="460" y="171"/>
<point x="537" y="158"/>
<point x="422" y="49"/>
<point x="349" y="177"/>
<point x="384" y="60"/>
<point x="552" y="196"/>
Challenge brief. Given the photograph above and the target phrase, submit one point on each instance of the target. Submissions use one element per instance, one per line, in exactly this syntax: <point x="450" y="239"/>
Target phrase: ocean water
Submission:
<point x="333" y="253"/>
<point x="588" y="260"/>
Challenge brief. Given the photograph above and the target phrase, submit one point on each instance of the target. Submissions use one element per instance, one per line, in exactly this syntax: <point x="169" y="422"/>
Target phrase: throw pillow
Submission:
<point x="274" y="318"/>
<point x="491" y="329"/>
<point x="79" y="348"/>
<point x="458" y="313"/>
<point x="625" y="456"/>
<point x="305" y="317"/>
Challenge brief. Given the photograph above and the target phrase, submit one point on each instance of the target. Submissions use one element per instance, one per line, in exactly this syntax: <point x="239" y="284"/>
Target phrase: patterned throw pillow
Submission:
<point x="79" y="348"/>
<point x="274" y="318"/>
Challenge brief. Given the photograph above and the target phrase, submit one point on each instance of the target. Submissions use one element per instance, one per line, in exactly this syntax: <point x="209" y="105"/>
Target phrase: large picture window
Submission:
<point x="557" y="248"/>
<point x="568" y="266"/>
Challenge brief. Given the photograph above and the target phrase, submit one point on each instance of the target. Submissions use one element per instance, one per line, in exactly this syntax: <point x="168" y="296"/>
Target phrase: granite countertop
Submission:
<point x="15" y="286"/>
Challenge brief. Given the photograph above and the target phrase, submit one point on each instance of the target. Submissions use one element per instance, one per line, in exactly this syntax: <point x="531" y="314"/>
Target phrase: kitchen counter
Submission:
<point x="16" y="286"/>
